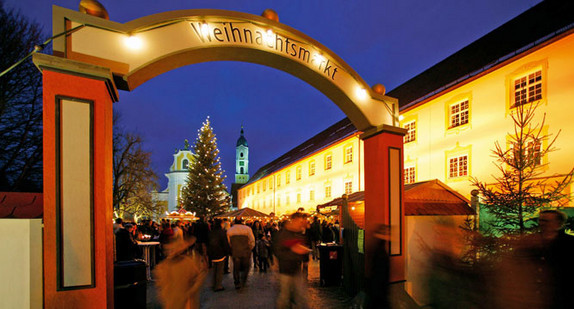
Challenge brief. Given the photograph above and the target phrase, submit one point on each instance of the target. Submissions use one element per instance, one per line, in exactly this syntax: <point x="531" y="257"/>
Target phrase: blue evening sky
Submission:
<point x="384" y="41"/>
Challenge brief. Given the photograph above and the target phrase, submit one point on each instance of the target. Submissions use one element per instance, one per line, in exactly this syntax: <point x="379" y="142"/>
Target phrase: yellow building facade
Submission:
<point x="315" y="178"/>
<point x="454" y="112"/>
<point x="451" y="135"/>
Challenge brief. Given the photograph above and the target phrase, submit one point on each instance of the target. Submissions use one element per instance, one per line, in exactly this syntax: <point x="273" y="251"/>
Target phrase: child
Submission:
<point x="262" y="247"/>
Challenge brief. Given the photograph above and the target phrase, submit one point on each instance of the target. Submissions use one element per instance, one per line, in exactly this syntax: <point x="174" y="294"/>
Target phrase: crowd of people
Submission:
<point x="252" y="243"/>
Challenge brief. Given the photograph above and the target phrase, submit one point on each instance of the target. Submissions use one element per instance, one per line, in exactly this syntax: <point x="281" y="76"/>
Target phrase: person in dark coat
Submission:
<point x="218" y="249"/>
<point x="126" y="246"/>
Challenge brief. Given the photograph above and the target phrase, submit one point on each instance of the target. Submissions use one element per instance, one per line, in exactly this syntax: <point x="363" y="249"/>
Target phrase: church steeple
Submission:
<point x="241" y="160"/>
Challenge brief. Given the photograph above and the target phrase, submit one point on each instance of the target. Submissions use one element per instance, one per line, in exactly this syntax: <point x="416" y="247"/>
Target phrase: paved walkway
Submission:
<point x="262" y="289"/>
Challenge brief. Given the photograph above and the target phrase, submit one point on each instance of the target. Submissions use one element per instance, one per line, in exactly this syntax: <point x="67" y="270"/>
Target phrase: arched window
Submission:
<point x="241" y="171"/>
<point x="184" y="164"/>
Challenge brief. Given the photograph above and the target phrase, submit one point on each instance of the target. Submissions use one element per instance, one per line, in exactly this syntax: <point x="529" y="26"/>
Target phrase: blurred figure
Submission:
<point x="180" y="276"/>
<point x="218" y="249"/>
<point x="290" y="251"/>
<point x="538" y="272"/>
<point x="242" y="242"/>
<point x="315" y="236"/>
<point x="263" y="253"/>
<point x="377" y="277"/>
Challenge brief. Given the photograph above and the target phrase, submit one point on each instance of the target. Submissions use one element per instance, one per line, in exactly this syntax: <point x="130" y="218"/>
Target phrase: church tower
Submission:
<point x="177" y="175"/>
<point x="241" y="160"/>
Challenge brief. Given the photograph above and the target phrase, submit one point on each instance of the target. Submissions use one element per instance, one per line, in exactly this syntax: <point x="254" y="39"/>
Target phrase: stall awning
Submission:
<point x="426" y="198"/>
<point x="243" y="213"/>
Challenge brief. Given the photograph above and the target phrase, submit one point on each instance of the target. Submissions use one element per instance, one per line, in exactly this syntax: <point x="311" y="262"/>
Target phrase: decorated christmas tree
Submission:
<point x="204" y="192"/>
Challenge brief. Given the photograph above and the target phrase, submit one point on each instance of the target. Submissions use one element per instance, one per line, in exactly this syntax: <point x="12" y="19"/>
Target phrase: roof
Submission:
<point x="21" y="205"/>
<point x="324" y="139"/>
<point x="243" y="212"/>
<point x="434" y="198"/>
<point x="241" y="141"/>
<point x="426" y="198"/>
<point x="536" y="25"/>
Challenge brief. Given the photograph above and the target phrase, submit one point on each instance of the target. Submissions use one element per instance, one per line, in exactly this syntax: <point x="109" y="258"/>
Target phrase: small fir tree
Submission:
<point x="518" y="194"/>
<point x="204" y="192"/>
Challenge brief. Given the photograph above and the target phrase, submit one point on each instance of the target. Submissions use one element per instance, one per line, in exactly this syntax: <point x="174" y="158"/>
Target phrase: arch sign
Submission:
<point x="98" y="56"/>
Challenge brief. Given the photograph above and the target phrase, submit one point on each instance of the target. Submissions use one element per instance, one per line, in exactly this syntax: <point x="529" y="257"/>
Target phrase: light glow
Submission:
<point x="401" y="117"/>
<point x="205" y="29"/>
<point x="361" y="93"/>
<point x="133" y="42"/>
<point x="269" y="37"/>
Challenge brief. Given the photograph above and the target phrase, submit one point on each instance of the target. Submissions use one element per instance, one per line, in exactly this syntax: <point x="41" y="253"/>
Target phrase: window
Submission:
<point x="458" y="166"/>
<point x="312" y="168"/>
<point x="349" y="154"/>
<point x="298" y="198"/>
<point x="241" y="163"/>
<point x="528" y="88"/>
<point x="258" y="188"/>
<point x="278" y="202"/>
<point x="278" y="180"/>
<point x="287" y="200"/>
<point x="184" y="164"/>
<point x="241" y="154"/>
<point x="348" y="187"/>
<point x="328" y="192"/>
<point x="459" y="114"/>
<point x="328" y="161"/>
<point x="287" y="177"/>
<point x="312" y="195"/>
<point x="411" y="131"/>
<point x="410" y="175"/>
<point x="532" y="150"/>
<point x="264" y="185"/>
<point x="241" y="170"/>
<point x="298" y="173"/>
<point x="270" y="184"/>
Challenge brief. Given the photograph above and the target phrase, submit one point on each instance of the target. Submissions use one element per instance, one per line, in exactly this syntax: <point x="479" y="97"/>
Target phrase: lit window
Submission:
<point x="328" y="192"/>
<point x="528" y="88"/>
<point x="458" y="166"/>
<point x="312" y="168"/>
<point x="348" y="187"/>
<point x="184" y="164"/>
<point x="258" y="188"/>
<point x="298" y="198"/>
<point x="328" y="161"/>
<point x="287" y="200"/>
<point x="410" y="175"/>
<point x="459" y="114"/>
<point x="349" y="154"/>
<point x="264" y="185"/>
<point x="287" y="177"/>
<point x="278" y="180"/>
<point x="312" y="195"/>
<point x="411" y="131"/>
<point x="298" y="173"/>
<point x="278" y="202"/>
<point x="270" y="184"/>
<point x="532" y="153"/>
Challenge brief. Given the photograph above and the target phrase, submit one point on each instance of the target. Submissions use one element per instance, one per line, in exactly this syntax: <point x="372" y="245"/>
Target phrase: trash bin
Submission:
<point x="330" y="264"/>
<point x="130" y="284"/>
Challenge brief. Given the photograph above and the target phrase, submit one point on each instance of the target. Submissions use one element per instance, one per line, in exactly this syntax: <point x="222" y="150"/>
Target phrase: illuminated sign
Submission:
<point x="144" y="48"/>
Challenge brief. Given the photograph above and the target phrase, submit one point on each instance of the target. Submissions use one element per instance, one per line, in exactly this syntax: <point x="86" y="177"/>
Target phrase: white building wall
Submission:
<point x="21" y="263"/>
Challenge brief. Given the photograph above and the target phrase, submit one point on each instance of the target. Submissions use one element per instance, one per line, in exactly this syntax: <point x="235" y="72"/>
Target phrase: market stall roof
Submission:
<point x="243" y="213"/>
<point x="21" y="205"/>
<point x="426" y="198"/>
<point x="180" y="214"/>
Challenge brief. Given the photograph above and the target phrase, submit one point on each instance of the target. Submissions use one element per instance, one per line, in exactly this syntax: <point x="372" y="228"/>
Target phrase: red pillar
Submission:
<point x="383" y="195"/>
<point x="77" y="141"/>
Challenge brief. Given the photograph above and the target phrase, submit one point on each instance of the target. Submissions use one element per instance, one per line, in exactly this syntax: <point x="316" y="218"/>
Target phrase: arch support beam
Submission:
<point x="77" y="149"/>
<point x="383" y="196"/>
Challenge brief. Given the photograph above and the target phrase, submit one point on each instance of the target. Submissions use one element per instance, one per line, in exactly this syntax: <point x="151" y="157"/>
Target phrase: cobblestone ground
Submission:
<point x="261" y="291"/>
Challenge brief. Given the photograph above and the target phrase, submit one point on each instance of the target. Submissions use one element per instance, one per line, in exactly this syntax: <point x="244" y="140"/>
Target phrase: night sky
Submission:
<point x="385" y="42"/>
